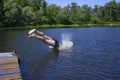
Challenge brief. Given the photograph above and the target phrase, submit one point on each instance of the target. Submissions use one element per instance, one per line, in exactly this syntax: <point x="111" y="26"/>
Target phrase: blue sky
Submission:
<point x="91" y="3"/>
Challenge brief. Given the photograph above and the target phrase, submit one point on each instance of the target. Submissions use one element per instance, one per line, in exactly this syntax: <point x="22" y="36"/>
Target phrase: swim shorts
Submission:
<point x="56" y="43"/>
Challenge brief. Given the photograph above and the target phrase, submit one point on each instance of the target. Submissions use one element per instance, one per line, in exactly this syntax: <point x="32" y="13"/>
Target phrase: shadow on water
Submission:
<point x="40" y="65"/>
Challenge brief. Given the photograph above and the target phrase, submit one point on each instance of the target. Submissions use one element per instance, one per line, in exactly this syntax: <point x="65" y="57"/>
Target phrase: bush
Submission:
<point x="1" y="24"/>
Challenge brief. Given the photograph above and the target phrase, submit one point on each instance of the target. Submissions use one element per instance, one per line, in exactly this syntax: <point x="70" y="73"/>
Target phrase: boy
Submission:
<point x="40" y="35"/>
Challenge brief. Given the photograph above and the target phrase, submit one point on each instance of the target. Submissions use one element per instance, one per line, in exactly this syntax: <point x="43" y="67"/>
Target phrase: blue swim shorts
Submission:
<point x="56" y="43"/>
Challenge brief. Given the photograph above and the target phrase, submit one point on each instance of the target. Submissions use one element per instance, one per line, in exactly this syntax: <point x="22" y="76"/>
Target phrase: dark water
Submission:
<point x="94" y="56"/>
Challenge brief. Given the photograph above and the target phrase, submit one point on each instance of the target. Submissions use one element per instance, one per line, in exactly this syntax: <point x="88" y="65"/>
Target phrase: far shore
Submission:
<point x="62" y="26"/>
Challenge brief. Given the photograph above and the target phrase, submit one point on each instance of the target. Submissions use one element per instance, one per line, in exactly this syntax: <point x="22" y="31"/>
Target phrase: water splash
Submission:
<point x="66" y="42"/>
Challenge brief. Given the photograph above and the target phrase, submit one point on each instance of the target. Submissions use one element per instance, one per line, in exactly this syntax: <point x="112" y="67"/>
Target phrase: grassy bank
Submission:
<point x="107" y="24"/>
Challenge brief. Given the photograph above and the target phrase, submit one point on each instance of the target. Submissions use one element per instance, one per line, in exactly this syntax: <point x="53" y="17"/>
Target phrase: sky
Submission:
<point x="91" y="3"/>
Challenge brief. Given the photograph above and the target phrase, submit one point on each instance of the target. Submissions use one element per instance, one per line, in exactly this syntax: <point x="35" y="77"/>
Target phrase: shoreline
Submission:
<point x="61" y="26"/>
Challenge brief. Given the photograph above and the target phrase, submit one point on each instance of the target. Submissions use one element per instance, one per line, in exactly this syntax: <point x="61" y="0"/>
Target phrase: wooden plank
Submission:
<point x="2" y="78"/>
<point x="12" y="76"/>
<point x="12" y="69"/>
<point x="8" y="60"/>
<point x="12" y="65"/>
<point x="9" y="67"/>
<point x="7" y="54"/>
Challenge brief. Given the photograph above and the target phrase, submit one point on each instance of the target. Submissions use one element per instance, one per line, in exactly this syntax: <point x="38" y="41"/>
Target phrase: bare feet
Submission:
<point x="36" y="32"/>
<point x="32" y="35"/>
<point x="31" y="31"/>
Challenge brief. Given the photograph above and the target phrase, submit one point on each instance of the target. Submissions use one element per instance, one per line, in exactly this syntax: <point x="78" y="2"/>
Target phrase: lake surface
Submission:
<point x="95" y="54"/>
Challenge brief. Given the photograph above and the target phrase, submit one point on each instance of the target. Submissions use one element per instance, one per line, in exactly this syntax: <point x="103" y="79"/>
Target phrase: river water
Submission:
<point x="95" y="54"/>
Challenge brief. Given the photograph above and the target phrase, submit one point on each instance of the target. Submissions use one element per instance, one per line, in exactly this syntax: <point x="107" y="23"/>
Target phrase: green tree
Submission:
<point x="73" y="13"/>
<point x="118" y="11"/>
<point x="1" y="13"/>
<point x="95" y="11"/>
<point x="101" y="13"/>
<point x="28" y="15"/>
<point x="95" y="14"/>
<point x="63" y="15"/>
<point x="85" y="13"/>
<point x="40" y="18"/>
<point x="111" y="11"/>
<point x="52" y="12"/>
<point x="23" y="3"/>
<point x="37" y="12"/>
<point x="37" y="4"/>
<point x="12" y="12"/>
<point x="44" y="6"/>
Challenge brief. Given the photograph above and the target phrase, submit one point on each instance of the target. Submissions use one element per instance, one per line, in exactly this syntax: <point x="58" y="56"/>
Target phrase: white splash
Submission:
<point x="66" y="42"/>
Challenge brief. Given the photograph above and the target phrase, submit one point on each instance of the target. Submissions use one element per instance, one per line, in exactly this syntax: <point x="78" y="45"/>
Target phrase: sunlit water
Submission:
<point x="95" y="54"/>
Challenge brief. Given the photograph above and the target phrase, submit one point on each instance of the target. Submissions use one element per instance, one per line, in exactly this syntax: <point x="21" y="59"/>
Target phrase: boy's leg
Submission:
<point x="45" y="39"/>
<point x="40" y="35"/>
<point x="50" y="42"/>
<point x="43" y="35"/>
<point x="36" y="32"/>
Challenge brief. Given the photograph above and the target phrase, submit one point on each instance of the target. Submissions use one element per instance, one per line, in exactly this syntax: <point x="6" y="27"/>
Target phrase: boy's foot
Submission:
<point x="31" y="31"/>
<point x="32" y="35"/>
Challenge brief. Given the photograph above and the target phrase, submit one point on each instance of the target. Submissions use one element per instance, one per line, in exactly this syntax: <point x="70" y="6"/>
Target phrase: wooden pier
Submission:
<point x="9" y="67"/>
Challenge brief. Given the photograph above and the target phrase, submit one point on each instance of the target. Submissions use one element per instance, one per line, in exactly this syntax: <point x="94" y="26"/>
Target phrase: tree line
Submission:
<point x="38" y="12"/>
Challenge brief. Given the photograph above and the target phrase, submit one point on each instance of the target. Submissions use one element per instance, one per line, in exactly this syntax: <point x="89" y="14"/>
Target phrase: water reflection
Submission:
<point x="11" y="40"/>
<point x="41" y="64"/>
<point x="66" y="54"/>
